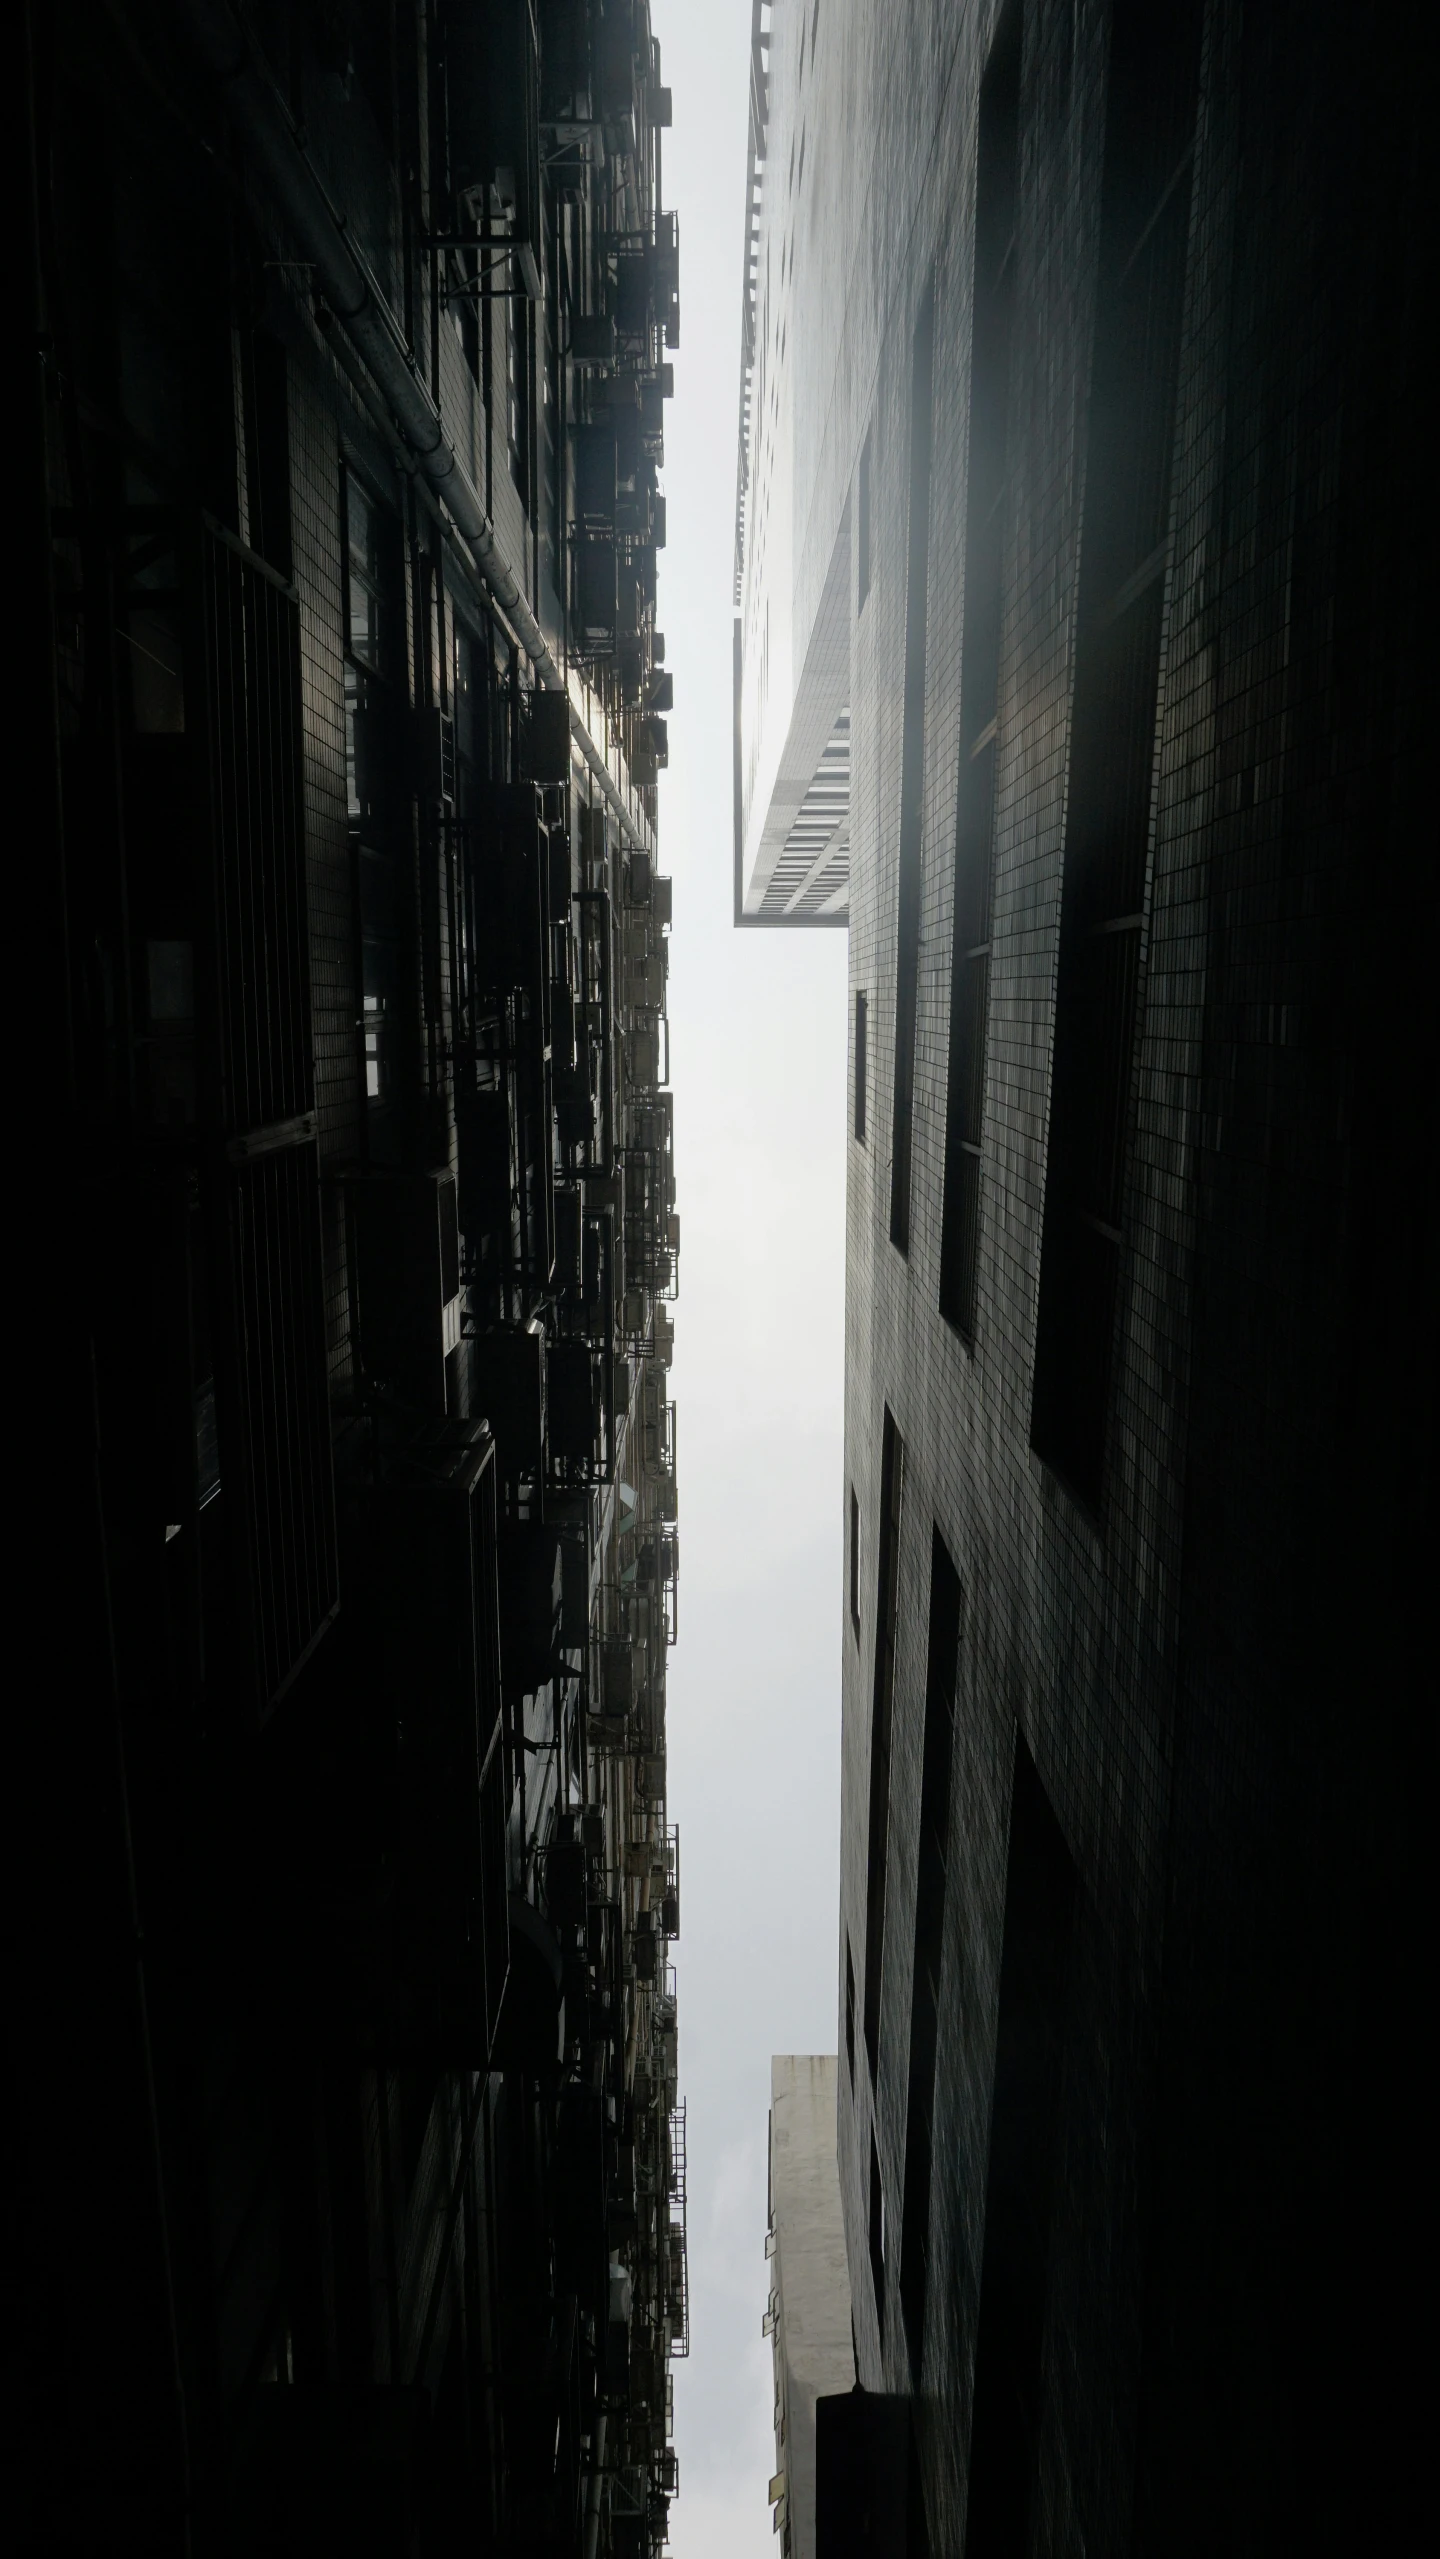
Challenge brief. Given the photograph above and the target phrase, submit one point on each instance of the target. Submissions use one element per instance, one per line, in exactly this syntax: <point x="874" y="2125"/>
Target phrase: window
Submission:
<point x="518" y="390"/>
<point x="862" y="1031"/>
<point x="934" y="1845"/>
<point x="912" y="765"/>
<point x="1024" y="2120"/>
<point x="1144" y="229"/>
<point x="892" y="1469"/>
<point x="998" y="144"/>
<point x="877" y="2230"/>
<point x="855" y="1561"/>
<point x="850" y="2009"/>
<point x="374" y="625"/>
<point x="369" y="633"/>
<point x="862" y="515"/>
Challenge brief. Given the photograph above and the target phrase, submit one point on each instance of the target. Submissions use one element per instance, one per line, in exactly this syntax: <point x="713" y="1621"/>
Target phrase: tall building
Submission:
<point x="807" y="2314"/>
<point x="348" y="2205"/>
<point x="1079" y="665"/>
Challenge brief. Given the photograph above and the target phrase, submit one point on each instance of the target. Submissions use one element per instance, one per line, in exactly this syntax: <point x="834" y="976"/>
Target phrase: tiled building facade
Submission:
<point x="1084" y="374"/>
<point x="351" y="2177"/>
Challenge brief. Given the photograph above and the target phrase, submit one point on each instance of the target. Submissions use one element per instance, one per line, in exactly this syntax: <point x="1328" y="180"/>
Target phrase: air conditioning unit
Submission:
<point x="532" y="1599"/>
<point x="510" y="866"/>
<point x="574" y="1401"/>
<point x="482" y="1159"/>
<point x="596" y="605"/>
<point x="508" y="1386"/>
<point x="651" y="1773"/>
<point x="645" y="1056"/>
<point x="595" y="471"/>
<point x="617" y="1675"/>
<point x="547" y="738"/>
<point x="569" y="1218"/>
<point x="405" y="1247"/>
<point x="592" y="341"/>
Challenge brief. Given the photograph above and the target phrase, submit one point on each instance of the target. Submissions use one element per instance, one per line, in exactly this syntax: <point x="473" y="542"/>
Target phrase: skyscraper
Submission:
<point x="1078" y="667"/>
<point x="349" y="2195"/>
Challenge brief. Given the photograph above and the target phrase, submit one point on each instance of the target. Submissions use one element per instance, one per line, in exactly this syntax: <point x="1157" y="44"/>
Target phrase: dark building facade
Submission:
<point x="349" y="2174"/>
<point x="1079" y="473"/>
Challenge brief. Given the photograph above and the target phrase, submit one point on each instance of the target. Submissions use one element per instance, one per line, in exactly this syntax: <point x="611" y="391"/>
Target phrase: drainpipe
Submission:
<point x="340" y="273"/>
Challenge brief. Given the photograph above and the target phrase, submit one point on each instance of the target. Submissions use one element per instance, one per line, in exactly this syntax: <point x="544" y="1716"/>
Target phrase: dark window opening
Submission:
<point x="519" y="372"/>
<point x="912" y="766"/>
<point x="877" y="2231"/>
<point x="1024" y="2115"/>
<point x="862" y="1036"/>
<point x="892" y="1469"/>
<point x="996" y="194"/>
<point x="850" y="2009"/>
<point x="862" y="511"/>
<point x="940" y="1676"/>
<point x="854" y="1560"/>
<point x="1145" y="211"/>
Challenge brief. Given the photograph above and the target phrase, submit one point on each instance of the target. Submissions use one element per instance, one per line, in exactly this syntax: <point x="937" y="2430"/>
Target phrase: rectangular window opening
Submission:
<point x="996" y="206"/>
<point x="1144" y="230"/>
<point x="932" y="1862"/>
<point x="862" y="513"/>
<point x="912" y="765"/>
<point x="1024" y="2119"/>
<point x="877" y="2230"/>
<point x="892" y="1468"/>
<point x="855" y="1560"/>
<point x="862" y="1037"/>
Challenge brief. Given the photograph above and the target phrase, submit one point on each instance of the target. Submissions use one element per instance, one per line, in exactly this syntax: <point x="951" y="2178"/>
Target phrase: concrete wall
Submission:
<point x="811" y="2282"/>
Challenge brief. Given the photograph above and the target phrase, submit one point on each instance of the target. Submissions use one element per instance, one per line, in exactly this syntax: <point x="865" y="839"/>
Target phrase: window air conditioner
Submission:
<point x="547" y="738"/>
<point x="405" y="1247"/>
<point x="508" y="1387"/>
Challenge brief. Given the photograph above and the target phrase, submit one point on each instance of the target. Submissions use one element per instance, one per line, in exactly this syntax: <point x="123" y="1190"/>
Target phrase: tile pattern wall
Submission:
<point x="1186" y="1668"/>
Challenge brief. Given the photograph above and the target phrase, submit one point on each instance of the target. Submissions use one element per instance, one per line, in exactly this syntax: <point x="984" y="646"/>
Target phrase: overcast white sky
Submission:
<point x="758" y="1069"/>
